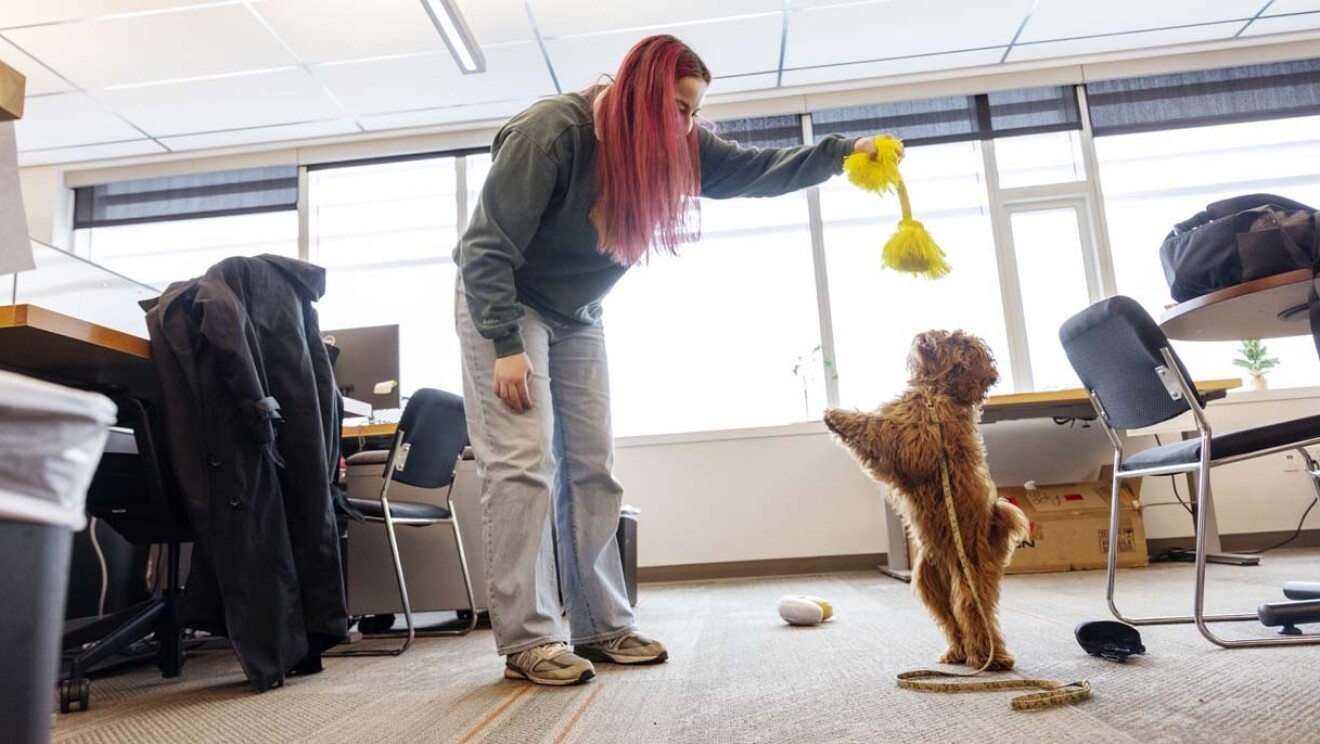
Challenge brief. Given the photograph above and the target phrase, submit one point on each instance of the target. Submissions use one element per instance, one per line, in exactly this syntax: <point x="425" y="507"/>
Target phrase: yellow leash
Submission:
<point x="1056" y="693"/>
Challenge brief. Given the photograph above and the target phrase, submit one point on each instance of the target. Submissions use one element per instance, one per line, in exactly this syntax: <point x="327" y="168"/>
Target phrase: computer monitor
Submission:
<point x="366" y="357"/>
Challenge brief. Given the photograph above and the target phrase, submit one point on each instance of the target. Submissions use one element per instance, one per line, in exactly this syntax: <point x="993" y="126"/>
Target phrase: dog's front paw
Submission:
<point x="1001" y="662"/>
<point x="953" y="656"/>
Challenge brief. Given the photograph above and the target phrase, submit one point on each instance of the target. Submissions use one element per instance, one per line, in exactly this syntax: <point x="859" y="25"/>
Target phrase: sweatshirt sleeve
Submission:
<point x="729" y="170"/>
<point x="520" y="184"/>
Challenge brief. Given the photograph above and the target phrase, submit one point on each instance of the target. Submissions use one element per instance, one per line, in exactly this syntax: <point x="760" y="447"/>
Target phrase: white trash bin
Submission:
<point x="51" y="439"/>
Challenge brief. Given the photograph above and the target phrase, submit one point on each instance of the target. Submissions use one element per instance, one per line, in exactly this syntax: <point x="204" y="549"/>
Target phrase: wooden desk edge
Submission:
<point x="1296" y="276"/>
<point x="1079" y="394"/>
<point x="369" y="430"/>
<point x="35" y="316"/>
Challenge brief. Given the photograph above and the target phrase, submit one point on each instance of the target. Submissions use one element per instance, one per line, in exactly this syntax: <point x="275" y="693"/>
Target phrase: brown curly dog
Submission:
<point x="899" y="445"/>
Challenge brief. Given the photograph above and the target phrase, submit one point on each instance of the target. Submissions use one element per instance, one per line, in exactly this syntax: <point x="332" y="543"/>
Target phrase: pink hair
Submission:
<point x="648" y="172"/>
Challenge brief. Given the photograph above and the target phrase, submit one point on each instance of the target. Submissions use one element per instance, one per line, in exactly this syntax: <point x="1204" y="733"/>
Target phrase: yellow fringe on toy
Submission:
<point x="879" y="174"/>
<point x="911" y="249"/>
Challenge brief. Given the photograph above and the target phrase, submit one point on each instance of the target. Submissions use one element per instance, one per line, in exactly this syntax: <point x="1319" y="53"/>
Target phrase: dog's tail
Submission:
<point x="1008" y="525"/>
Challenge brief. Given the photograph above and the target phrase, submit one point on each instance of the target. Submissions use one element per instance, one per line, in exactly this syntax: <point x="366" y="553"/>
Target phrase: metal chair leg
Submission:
<point x="1207" y="503"/>
<point x="1114" y="510"/>
<point x="398" y="567"/>
<point x="467" y="578"/>
<point x="1198" y="616"/>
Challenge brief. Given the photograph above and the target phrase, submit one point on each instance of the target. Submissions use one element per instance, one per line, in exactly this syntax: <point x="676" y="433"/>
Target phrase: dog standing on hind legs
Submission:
<point x="908" y="444"/>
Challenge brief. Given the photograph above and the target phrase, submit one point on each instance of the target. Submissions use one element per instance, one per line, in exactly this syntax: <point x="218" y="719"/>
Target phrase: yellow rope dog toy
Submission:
<point x="911" y="249"/>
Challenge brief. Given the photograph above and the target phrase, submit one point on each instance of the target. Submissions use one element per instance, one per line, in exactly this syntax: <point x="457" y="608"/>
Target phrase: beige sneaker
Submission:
<point x="633" y="648"/>
<point x="549" y="664"/>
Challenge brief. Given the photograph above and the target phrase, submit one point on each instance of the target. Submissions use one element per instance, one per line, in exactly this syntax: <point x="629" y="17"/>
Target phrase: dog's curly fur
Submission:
<point x="899" y="446"/>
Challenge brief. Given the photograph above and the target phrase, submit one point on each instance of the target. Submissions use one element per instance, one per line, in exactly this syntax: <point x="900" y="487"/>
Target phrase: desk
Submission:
<point x="1271" y="307"/>
<point x="43" y="343"/>
<point x="67" y="350"/>
<point x="369" y="431"/>
<point x="35" y="336"/>
<point x="1073" y="403"/>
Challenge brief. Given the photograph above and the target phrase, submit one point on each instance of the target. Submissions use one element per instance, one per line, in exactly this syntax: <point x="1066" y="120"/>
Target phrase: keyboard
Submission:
<point x="386" y="415"/>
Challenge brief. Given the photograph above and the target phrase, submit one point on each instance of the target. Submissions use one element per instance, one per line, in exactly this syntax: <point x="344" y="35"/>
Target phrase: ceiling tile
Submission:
<point x="557" y="18"/>
<point x="200" y="106"/>
<point x="741" y="83"/>
<point x="731" y="47"/>
<point x="308" y="130"/>
<point x="1068" y="19"/>
<point x="1282" y="7"/>
<point x="498" y="110"/>
<point x="69" y="119"/>
<point x="892" y="67"/>
<point x="335" y="30"/>
<point x="165" y="46"/>
<point x="900" y="28"/>
<point x="1284" y="24"/>
<point x="496" y="21"/>
<point x="39" y="79"/>
<point x="514" y="71"/>
<point x="1123" y="42"/>
<point x="26" y="12"/>
<point x="89" y="152"/>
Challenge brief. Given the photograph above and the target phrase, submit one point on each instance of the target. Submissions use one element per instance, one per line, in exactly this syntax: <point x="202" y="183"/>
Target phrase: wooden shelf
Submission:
<point x="12" y="86"/>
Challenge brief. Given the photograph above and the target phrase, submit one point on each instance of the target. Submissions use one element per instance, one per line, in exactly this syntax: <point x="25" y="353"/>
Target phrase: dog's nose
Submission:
<point x="829" y="424"/>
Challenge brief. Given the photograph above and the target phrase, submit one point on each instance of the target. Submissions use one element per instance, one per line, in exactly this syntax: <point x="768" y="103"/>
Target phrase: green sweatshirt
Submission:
<point x="531" y="241"/>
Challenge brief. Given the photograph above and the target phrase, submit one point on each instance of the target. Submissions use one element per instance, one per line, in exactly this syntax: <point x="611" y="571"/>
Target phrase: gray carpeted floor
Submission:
<point x="738" y="674"/>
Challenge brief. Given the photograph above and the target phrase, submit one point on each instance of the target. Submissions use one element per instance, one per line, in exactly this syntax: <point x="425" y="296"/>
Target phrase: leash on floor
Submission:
<point x="1054" y="693"/>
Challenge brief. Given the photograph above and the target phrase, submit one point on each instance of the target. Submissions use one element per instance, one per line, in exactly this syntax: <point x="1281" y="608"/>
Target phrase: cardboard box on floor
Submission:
<point x="1070" y="527"/>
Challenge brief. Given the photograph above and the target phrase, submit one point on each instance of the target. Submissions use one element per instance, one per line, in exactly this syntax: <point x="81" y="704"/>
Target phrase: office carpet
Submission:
<point x="738" y="674"/>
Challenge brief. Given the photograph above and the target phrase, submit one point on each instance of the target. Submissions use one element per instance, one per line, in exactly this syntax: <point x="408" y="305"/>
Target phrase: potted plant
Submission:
<point x="807" y="371"/>
<point x="1256" y="360"/>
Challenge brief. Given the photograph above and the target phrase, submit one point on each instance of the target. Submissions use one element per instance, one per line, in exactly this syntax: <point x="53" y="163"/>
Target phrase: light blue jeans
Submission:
<point x="556" y="457"/>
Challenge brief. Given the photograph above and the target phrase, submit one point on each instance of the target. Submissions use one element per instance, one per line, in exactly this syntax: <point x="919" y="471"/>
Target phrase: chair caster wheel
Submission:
<point x="72" y="691"/>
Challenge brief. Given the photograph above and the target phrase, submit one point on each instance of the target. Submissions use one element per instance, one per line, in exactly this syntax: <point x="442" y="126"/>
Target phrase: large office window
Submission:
<point x="721" y="336"/>
<point x="170" y="228"/>
<point x="384" y="233"/>
<point x="877" y="311"/>
<point x="725" y="335"/>
<point x="1155" y="179"/>
<point x="158" y="253"/>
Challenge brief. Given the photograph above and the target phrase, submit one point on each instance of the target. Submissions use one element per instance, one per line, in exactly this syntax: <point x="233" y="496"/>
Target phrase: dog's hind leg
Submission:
<point x="930" y="581"/>
<point x="981" y="634"/>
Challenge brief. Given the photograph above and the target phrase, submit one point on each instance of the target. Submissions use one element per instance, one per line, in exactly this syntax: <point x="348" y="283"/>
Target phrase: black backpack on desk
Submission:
<point x="1237" y="240"/>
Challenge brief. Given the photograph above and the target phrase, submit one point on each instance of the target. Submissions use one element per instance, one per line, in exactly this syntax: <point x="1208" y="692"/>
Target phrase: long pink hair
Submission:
<point x="648" y="172"/>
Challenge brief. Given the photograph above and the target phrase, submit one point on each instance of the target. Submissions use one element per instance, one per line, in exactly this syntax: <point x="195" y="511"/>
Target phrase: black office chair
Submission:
<point x="431" y="436"/>
<point x="132" y="493"/>
<point x="1135" y="380"/>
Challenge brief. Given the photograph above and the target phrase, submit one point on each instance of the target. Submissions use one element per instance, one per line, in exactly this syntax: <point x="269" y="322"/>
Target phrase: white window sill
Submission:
<point x="815" y="428"/>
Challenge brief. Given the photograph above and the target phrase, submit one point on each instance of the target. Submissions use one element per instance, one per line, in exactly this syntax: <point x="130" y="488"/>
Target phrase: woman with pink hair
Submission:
<point x="581" y="187"/>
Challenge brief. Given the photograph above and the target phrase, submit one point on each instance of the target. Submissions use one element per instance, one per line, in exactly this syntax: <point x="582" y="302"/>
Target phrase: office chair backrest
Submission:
<point x="435" y="430"/>
<point x="1114" y="347"/>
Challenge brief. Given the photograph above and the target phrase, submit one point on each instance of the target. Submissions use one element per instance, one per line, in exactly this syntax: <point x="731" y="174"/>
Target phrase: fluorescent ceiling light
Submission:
<point x="449" y="22"/>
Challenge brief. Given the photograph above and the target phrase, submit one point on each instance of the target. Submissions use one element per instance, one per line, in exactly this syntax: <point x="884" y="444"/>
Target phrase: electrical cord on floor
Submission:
<point x="1176" y="554"/>
<point x="1292" y="537"/>
<point x="105" y="571"/>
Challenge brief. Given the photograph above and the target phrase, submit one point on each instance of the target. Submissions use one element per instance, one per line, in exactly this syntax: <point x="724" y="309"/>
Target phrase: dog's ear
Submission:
<point x="926" y="359"/>
<point x="973" y="370"/>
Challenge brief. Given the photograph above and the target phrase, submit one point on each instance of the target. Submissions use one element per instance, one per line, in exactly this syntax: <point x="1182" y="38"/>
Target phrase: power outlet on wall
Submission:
<point x="1293" y="462"/>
